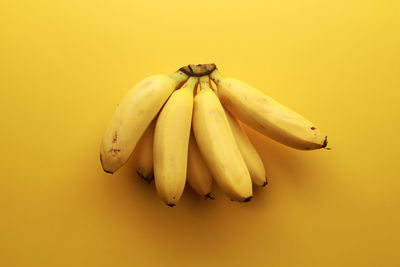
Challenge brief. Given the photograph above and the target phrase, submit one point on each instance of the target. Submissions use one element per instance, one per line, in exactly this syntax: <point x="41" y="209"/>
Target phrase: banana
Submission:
<point x="133" y="115"/>
<point x="198" y="174"/>
<point x="218" y="146"/>
<point x="249" y="153"/>
<point x="143" y="154"/>
<point x="171" y="142"/>
<point x="266" y="115"/>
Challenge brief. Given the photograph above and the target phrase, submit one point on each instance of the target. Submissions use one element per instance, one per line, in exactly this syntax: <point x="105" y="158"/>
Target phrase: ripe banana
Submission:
<point x="218" y="146"/>
<point x="198" y="174"/>
<point x="199" y="138"/>
<point x="133" y="115"/>
<point x="143" y="154"/>
<point x="171" y="142"/>
<point x="249" y="153"/>
<point x="266" y="115"/>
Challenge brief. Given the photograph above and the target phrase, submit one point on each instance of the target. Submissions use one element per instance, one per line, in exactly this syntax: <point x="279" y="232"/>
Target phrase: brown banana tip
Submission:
<point x="150" y="179"/>
<point x="108" y="171"/>
<point x="325" y="142"/>
<point x="198" y="70"/>
<point x="141" y="175"/>
<point x="171" y="205"/>
<point x="147" y="179"/>
<point x="248" y="199"/>
<point x="101" y="161"/>
<point x="265" y="183"/>
<point x="209" y="196"/>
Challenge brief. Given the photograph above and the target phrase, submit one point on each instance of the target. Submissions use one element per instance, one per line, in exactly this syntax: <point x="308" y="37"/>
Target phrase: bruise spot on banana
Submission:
<point x="114" y="151"/>
<point x="198" y="70"/>
<point x="115" y="137"/>
<point x="313" y="128"/>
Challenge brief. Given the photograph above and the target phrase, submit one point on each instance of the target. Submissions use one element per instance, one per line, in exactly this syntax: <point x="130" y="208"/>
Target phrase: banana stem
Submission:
<point x="198" y="70"/>
<point x="179" y="77"/>
<point x="204" y="82"/>
<point x="216" y="76"/>
<point x="191" y="83"/>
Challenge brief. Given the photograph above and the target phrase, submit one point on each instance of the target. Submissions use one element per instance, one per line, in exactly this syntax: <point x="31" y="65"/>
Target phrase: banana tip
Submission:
<point x="248" y="199"/>
<point x="102" y="165"/>
<point x="171" y="205"/>
<point x="325" y="142"/>
<point x="150" y="179"/>
<point x="209" y="196"/>
<point x="265" y="183"/>
<point x="106" y="171"/>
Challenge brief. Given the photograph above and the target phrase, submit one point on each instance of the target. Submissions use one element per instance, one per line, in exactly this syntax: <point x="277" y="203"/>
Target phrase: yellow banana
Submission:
<point x="171" y="142"/>
<point x="218" y="146"/>
<point x="143" y="154"/>
<point x="248" y="151"/>
<point x="133" y="115"/>
<point x="198" y="174"/>
<point x="266" y="115"/>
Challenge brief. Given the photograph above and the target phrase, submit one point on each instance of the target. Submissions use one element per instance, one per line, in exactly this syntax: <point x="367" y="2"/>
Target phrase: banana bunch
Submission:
<point x="183" y="129"/>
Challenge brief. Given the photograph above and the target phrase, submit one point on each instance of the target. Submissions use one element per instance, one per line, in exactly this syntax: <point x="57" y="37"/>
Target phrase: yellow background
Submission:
<point x="64" y="66"/>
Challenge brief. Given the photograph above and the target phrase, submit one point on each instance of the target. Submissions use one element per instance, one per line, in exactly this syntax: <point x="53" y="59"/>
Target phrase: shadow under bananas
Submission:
<point x="199" y="222"/>
<point x="280" y="160"/>
<point x="303" y="174"/>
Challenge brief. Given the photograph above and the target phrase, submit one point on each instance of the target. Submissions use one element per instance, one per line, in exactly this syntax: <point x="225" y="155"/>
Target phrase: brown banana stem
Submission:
<point x="198" y="70"/>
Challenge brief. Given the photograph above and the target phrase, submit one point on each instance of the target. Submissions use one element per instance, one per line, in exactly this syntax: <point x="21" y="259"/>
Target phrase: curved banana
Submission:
<point x="218" y="146"/>
<point x="266" y="115"/>
<point x="249" y="153"/>
<point x="198" y="174"/>
<point x="143" y="154"/>
<point x="171" y="142"/>
<point x="133" y="115"/>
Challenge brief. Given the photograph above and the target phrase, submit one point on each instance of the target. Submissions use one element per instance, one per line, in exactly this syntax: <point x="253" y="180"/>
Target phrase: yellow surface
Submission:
<point x="65" y="65"/>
